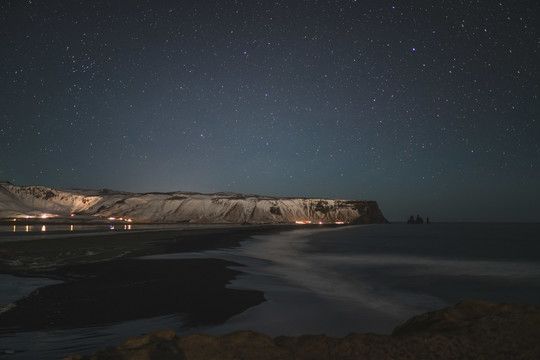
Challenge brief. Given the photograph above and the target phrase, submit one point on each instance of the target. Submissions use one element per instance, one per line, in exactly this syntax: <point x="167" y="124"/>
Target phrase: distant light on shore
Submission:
<point x="114" y="218"/>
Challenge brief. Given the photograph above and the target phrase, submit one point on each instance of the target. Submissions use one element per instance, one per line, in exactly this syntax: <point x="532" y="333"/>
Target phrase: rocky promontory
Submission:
<point x="37" y="202"/>
<point x="468" y="330"/>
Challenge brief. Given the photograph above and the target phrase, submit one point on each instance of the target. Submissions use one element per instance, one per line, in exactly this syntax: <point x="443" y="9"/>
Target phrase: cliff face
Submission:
<point x="20" y="201"/>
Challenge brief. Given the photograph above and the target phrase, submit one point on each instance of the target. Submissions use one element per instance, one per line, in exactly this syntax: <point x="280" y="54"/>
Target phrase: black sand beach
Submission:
<point x="38" y="256"/>
<point x="104" y="282"/>
<point x="122" y="290"/>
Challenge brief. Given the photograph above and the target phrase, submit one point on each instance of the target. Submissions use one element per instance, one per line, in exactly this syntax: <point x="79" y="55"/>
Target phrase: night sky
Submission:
<point x="428" y="107"/>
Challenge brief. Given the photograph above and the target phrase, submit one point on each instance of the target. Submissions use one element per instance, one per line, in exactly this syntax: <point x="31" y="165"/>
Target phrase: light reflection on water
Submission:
<point x="60" y="228"/>
<point x="42" y="230"/>
<point x="38" y="227"/>
<point x="46" y="230"/>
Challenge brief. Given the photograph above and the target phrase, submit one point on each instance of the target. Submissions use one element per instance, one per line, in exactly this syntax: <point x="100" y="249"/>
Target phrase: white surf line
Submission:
<point x="287" y="261"/>
<point x="436" y="266"/>
<point x="284" y="256"/>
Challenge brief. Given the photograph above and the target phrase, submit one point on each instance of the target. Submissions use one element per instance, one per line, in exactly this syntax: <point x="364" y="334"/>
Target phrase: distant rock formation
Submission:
<point x="418" y="220"/>
<point x="36" y="201"/>
<point x="469" y="330"/>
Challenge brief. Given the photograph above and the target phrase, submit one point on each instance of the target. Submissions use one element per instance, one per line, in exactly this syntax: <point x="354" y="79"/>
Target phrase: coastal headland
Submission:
<point x="20" y="203"/>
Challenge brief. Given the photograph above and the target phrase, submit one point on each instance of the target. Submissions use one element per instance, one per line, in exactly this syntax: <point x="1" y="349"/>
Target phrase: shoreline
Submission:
<point x="105" y="276"/>
<point x="124" y="290"/>
<point x="118" y="273"/>
<point x="36" y="257"/>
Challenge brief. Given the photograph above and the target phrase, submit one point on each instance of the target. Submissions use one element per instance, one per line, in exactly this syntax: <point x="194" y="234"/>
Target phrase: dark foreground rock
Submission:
<point x="469" y="330"/>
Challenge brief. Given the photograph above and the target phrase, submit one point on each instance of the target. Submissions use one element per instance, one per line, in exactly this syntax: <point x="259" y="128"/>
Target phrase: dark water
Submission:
<point x="340" y="280"/>
<point x="372" y="278"/>
<point x="495" y="262"/>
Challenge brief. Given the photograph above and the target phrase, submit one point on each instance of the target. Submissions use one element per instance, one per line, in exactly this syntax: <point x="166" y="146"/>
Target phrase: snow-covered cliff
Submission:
<point x="34" y="201"/>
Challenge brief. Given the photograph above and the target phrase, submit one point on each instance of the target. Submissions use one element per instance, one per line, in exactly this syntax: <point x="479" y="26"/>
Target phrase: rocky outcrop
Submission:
<point x="469" y="330"/>
<point x="33" y="201"/>
<point x="418" y="220"/>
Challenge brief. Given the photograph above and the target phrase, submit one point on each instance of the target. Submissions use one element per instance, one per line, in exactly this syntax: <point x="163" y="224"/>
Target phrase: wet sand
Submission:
<point x="38" y="256"/>
<point x="128" y="289"/>
<point x="105" y="282"/>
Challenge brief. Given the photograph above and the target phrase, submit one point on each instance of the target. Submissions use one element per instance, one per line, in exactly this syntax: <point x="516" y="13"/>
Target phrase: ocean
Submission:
<point x="337" y="280"/>
<point x="371" y="278"/>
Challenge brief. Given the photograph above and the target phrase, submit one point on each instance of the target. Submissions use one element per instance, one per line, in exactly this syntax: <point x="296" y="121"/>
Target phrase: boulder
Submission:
<point x="470" y="329"/>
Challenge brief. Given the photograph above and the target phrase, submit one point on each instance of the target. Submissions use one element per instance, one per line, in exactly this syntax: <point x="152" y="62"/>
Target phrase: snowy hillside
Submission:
<point x="37" y="201"/>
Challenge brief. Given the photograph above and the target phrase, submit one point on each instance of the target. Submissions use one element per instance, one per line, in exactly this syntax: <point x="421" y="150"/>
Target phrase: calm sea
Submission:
<point x="345" y="279"/>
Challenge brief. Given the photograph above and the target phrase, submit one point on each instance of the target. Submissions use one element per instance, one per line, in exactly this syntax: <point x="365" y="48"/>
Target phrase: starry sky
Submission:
<point x="428" y="107"/>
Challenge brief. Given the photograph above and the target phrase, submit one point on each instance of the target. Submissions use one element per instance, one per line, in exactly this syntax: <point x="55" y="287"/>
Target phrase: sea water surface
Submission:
<point x="372" y="278"/>
<point x="346" y="279"/>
